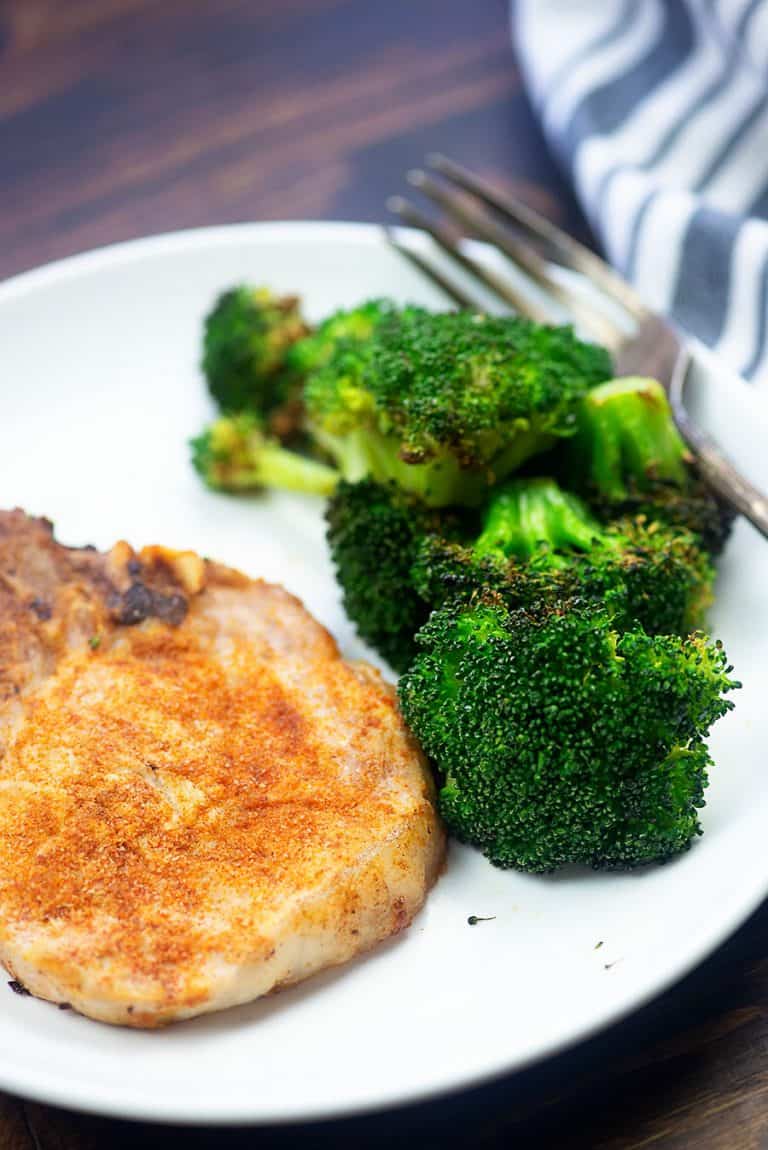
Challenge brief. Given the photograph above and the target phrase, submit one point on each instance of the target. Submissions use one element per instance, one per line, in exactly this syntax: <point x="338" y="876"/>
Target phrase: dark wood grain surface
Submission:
<point x="120" y="118"/>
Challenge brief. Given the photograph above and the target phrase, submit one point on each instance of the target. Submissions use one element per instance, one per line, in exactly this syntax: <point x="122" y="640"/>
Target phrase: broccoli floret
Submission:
<point x="446" y="405"/>
<point x="654" y="575"/>
<point x="625" y="433"/>
<point x="540" y="543"/>
<point x="247" y="340"/>
<point x="561" y="740"/>
<point x="627" y="459"/>
<point x="235" y="454"/>
<point x="530" y="517"/>
<point x="694" y="509"/>
<point x="396" y="560"/>
<point x="374" y="533"/>
<point x="512" y="550"/>
<point x="444" y="570"/>
<point x="345" y="327"/>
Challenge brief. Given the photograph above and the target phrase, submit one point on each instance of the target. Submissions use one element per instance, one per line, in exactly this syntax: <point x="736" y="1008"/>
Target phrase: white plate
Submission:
<point x="100" y="392"/>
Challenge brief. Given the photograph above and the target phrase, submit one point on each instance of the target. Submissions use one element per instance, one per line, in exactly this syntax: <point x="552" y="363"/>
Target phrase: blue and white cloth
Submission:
<point x="658" y="110"/>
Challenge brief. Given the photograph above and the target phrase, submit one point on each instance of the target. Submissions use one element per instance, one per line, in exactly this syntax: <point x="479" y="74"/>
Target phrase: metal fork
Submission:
<point x="643" y="344"/>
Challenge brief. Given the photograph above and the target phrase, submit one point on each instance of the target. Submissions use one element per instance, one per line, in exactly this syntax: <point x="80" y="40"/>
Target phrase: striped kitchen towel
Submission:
<point x="658" y="110"/>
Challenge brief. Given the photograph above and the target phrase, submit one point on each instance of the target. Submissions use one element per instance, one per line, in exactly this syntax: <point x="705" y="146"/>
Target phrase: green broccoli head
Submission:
<point x="396" y="560"/>
<point x="628" y="459"/>
<point x="693" y="509"/>
<point x="374" y="532"/>
<point x="443" y="570"/>
<point x="445" y="405"/>
<point x="344" y="328"/>
<point x="651" y="574"/>
<point x="526" y="547"/>
<point x="539" y="543"/>
<point x="561" y="740"/>
<point x="247" y="340"/>
<point x="235" y="454"/>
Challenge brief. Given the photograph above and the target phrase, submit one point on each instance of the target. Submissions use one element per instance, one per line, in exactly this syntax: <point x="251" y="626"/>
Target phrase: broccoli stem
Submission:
<point x="234" y="454"/>
<point x="527" y="516"/>
<point x="625" y="434"/>
<point x="439" y="481"/>
<point x="275" y="466"/>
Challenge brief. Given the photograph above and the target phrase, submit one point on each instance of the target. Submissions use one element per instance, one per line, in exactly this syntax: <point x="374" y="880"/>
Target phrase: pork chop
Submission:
<point x="200" y="800"/>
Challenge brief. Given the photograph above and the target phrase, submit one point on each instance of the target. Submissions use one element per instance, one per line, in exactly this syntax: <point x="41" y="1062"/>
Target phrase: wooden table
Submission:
<point x="124" y="117"/>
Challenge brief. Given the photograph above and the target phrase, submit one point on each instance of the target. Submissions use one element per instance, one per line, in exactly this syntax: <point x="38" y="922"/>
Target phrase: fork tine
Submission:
<point x="494" y="283"/>
<point x="450" y="289"/>
<point x="568" y="251"/>
<point x="518" y="251"/>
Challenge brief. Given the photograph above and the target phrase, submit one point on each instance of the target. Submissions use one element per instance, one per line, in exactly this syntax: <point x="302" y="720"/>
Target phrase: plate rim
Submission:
<point x="202" y="1109"/>
<point x="91" y="258"/>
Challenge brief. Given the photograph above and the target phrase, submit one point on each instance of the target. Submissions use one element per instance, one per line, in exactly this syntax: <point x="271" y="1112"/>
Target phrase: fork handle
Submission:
<point x="713" y="466"/>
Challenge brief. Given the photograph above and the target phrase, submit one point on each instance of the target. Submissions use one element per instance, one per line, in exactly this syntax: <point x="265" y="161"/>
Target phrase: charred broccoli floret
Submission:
<point x="347" y="326"/>
<point x="560" y="739"/>
<point x="540" y="543"/>
<point x="396" y="560"/>
<point x="653" y="575"/>
<point x="246" y="344"/>
<point x="695" y="509"/>
<point x="446" y="405"/>
<point x="627" y="459"/>
<point x="235" y="454"/>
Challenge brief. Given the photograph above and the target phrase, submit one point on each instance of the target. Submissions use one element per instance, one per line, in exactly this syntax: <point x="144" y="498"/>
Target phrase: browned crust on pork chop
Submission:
<point x="200" y="800"/>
